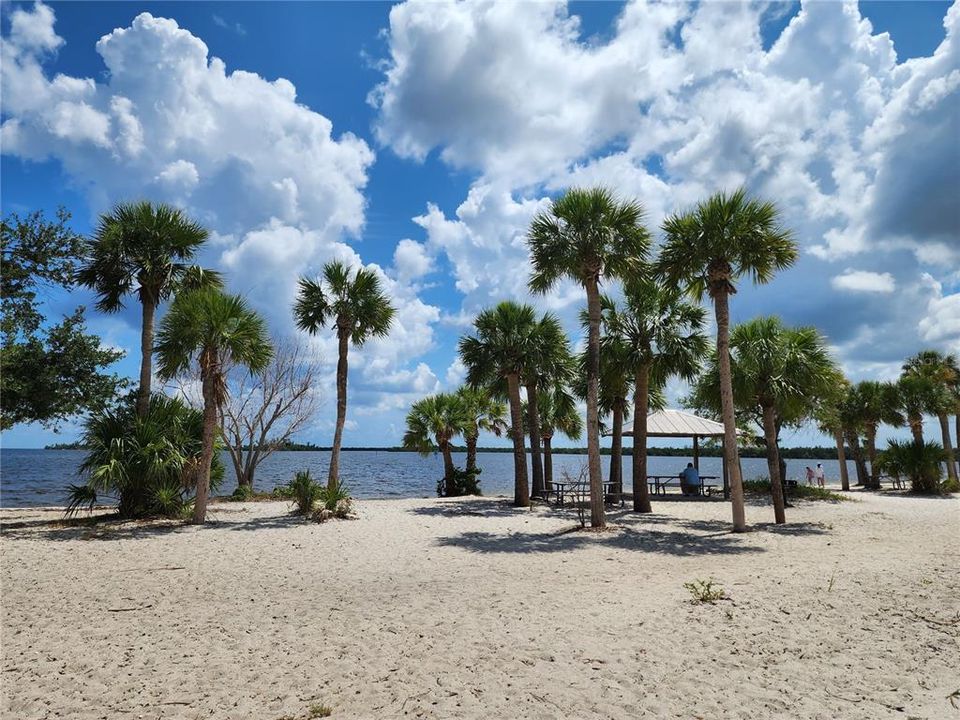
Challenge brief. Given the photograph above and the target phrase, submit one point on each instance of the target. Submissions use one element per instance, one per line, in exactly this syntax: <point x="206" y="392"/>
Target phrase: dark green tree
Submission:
<point x="48" y="372"/>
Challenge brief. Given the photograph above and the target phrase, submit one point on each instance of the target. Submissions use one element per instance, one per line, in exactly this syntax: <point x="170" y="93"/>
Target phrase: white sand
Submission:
<point x="442" y="609"/>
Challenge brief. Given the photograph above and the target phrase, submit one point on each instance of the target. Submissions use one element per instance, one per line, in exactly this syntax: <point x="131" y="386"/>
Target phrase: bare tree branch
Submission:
<point x="264" y="411"/>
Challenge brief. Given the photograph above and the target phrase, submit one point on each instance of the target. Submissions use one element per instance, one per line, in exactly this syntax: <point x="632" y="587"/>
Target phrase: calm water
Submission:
<point x="39" y="477"/>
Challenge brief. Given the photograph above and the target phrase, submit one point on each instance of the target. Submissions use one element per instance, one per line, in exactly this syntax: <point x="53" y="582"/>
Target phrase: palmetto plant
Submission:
<point x="929" y="385"/>
<point x="497" y="352"/>
<point x="214" y="330"/>
<point x="726" y="237"/>
<point x="355" y="305"/>
<point x="588" y="235"/>
<point x="432" y="423"/>
<point x="664" y="336"/>
<point x="144" y="249"/>
<point x="482" y="412"/>
<point x="147" y="463"/>
<point x="919" y="461"/>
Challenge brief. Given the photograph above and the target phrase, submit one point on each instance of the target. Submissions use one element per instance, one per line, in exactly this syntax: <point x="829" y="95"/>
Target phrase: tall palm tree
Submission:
<point x="547" y="361"/>
<point x="436" y="419"/>
<point x="706" y="250"/>
<point x="876" y="402"/>
<point x="558" y="413"/>
<point x="664" y="336"/>
<point x="217" y="331"/>
<point x="777" y="374"/>
<point x="144" y="249"/>
<point x="482" y="412"/>
<point x="588" y="235"/>
<point x="355" y="305"/>
<point x="852" y="423"/>
<point x="935" y="379"/>
<point x="498" y="352"/>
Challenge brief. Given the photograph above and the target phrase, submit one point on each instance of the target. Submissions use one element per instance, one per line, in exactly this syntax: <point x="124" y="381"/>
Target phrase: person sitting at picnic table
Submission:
<point x="690" y="480"/>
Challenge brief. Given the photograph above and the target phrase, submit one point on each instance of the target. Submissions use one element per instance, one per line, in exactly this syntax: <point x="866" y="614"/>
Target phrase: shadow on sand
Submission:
<point x="111" y="527"/>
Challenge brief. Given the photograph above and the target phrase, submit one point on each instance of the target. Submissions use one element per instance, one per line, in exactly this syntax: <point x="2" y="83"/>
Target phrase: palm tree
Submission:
<point x="588" y="235"/>
<point x="931" y="378"/>
<point x="352" y="302"/>
<point x="499" y="352"/>
<point x="852" y="423"/>
<point x="777" y="374"/>
<point x="664" y="336"/>
<point x="218" y="331"/>
<point x="482" y="412"/>
<point x="436" y="419"/>
<point x="547" y="360"/>
<point x="876" y="403"/>
<point x="144" y="249"/>
<point x="558" y="413"/>
<point x="724" y="238"/>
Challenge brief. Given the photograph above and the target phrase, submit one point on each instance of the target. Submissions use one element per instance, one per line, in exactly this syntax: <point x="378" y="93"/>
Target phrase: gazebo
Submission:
<point x="679" y="424"/>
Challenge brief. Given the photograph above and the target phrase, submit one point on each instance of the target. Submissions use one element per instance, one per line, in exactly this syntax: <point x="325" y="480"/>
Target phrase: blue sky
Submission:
<point x="420" y="139"/>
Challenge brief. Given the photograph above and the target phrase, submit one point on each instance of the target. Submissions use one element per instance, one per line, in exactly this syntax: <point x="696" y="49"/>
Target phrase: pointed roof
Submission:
<point x="676" y="423"/>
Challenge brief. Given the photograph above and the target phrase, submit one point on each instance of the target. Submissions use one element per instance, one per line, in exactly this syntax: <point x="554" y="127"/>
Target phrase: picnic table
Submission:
<point x="576" y="490"/>
<point x="658" y="484"/>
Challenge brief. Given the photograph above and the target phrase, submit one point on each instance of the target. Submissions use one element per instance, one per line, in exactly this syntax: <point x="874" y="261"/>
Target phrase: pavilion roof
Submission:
<point x="676" y="423"/>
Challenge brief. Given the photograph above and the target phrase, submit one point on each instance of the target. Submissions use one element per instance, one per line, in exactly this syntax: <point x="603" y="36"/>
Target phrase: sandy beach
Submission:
<point x="473" y="609"/>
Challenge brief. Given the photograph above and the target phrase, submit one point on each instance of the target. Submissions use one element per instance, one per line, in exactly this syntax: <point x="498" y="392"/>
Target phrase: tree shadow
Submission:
<point x="479" y="507"/>
<point x="112" y="527"/>
<point x="668" y="542"/>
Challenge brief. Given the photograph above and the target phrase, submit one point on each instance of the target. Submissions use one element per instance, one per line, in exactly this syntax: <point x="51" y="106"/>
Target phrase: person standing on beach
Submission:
<point x="810" y="475"/>
<point x="818" y="473"/>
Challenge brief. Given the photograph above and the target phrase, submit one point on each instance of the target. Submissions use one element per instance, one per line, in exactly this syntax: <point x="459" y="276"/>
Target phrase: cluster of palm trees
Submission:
<point x="147" y="250"/>
<point x="852" y="414"/>
<point x="634" y="343"/>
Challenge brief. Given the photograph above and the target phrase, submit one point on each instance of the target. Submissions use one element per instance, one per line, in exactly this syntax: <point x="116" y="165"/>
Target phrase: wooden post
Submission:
<point x="696" y="452"/>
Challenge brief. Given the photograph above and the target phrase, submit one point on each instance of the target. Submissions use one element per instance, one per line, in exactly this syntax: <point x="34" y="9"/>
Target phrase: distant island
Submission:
<point x="821" y="453"/>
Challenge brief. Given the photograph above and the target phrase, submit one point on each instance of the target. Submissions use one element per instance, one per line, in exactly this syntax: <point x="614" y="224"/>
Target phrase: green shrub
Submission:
<point x="463" y="482"/>
<point x="919" y="462"/>
<point x="243" y="493"/>
<point x="305" y="492"/>
<point x="761" y="486"/>
<point x="148" y="464"/>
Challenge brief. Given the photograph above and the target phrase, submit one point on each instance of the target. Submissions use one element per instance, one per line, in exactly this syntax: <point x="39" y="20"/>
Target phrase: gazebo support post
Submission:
<point x="696" y="452"/>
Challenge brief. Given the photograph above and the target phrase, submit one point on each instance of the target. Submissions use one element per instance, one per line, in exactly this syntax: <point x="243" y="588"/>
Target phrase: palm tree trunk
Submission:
<point x="773" y="463"/>
<point x="533" y="420"/>
<point x="149" y="311"/>
<point x="547" y="463"/>
<point x="597" y="517"/>
<point x="947" y="446"/>
<point x="447" y="467"/>
<point x="208" y="438"/>
<point x="842" y="457"/>
<point x="472" y="452"/>
<point x="616" y="450"/>
<point x="916" y="428"/>
<point x="859" y="464"/>
<point x="641" y="400"/>
<point x="722" y="308"/>
<point x="870" y="438"/>
<point x="521" y="492"/>
<point x="333" y="477"/>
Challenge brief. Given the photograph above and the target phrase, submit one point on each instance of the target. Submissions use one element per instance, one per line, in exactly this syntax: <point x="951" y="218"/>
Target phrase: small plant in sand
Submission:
<point x="304" y="492"/>
<point x="319" y="710"/>
<point x="705" y="591"/>
<point x="335" y="502"/>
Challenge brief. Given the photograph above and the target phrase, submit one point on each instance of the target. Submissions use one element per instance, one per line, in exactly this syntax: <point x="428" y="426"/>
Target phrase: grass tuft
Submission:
<point x="705" y="591"/>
